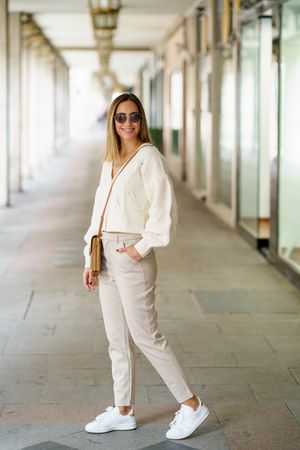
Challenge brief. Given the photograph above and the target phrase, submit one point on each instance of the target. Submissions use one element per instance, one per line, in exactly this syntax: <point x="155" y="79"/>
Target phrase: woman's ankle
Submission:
<point x="124" y="410"/>
<point x="193" y="402"/>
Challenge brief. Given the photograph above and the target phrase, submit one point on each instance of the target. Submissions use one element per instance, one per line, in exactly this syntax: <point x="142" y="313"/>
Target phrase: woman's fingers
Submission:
<point x="131" y="252"/>
<point x="86" y="279"/>
<point x="122" y="249"/>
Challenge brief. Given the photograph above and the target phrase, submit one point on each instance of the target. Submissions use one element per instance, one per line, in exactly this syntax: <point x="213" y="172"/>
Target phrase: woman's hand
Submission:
<point x="87" y="279"/>
<point x="131" y="252"/>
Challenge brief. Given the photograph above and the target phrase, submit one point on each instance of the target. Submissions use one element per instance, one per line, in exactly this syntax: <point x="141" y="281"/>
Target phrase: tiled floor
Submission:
<point x="233" y="320"/>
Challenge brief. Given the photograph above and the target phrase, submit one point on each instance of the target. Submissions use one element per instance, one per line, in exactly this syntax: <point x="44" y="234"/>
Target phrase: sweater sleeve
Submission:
<point x="162" y="213"/>
<point x="93" y="228"/>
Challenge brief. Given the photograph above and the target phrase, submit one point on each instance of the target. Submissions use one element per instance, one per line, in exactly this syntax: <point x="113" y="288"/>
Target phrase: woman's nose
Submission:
<point x="128" y="119"/>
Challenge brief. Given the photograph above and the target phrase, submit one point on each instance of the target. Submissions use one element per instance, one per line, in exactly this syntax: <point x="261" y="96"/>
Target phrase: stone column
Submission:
<point x="25" y="169"/>
<point x="15" y="177"/>
<point x="48" y="101"/>
<point x="66" y="102"/>
<point x="61" y="103"/>
<point x="4" y="156"/>
<point x="34" y="104"/>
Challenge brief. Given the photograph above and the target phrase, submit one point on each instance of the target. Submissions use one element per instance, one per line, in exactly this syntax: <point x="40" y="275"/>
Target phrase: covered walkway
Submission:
<point x="232" y="318"/>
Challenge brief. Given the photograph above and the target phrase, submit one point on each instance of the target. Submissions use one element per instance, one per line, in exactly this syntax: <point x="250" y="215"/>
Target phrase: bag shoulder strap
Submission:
<point x="111" y="186"/>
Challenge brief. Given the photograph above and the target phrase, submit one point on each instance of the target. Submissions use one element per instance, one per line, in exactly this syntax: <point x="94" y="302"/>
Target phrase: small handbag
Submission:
<point x="96" y="240"/>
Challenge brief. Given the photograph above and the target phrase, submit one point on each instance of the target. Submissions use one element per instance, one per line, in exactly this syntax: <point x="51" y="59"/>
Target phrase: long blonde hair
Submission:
<point x="113" y="142"/>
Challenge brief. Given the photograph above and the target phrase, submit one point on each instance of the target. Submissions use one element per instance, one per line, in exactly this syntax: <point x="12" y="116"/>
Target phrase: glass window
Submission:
<point x="204" y="117"/>
<point x="156" y="116"/>
<point x="248" y="139"/>
<point x="227" y="131"/>
<point x="176" y="107"/>
<point x="289" y="130"/>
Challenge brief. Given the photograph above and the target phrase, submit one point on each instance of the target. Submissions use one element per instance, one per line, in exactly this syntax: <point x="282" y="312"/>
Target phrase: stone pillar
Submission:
<point x="32" y="116"/>
<point x="47" y="62"/>
<point x="66" y="102"/>
<point x="216" y="67"/>
<point x="34" y="105"/>
<point x="43" y="95"/>
<point x="4" y="157"/>
<point x="61" y="103"/>
<point x="25" y="169"/>
<point x="15" y="177"/>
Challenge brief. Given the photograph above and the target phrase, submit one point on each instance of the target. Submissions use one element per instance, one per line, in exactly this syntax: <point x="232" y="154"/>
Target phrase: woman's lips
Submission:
<point x="128" y="130"/>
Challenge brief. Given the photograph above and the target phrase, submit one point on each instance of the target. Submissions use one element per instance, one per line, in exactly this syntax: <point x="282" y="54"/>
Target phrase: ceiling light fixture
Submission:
<point x="105" y="13"/>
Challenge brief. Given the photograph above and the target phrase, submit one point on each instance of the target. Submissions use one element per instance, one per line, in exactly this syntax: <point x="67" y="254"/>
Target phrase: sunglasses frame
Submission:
<point x="128" y="116"/>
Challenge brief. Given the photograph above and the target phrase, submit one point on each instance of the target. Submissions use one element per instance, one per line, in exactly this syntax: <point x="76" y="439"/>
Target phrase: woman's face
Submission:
<point x="128" y="130"/>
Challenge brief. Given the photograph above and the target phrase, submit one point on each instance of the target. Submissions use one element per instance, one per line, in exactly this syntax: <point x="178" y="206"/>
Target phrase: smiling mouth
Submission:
<point x="128" y="130"/>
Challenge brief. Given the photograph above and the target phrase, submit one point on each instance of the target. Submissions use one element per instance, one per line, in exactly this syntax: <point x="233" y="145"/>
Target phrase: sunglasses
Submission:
<point x="133" y="117"/>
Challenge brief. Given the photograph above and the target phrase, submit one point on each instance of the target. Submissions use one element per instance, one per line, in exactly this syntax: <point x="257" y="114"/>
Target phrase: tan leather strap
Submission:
<point x="111" y="186"/>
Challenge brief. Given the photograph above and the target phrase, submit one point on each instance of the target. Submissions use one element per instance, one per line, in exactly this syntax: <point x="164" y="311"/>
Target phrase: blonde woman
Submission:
<point x="140" y="216"/>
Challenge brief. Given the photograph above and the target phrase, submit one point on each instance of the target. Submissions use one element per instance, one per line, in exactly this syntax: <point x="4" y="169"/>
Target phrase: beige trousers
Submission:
<point x="127" y="295"/>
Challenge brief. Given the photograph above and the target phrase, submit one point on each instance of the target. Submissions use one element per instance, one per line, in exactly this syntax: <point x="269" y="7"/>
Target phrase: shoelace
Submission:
<point x="176" y="419"/>
<point x="107" y="410"/>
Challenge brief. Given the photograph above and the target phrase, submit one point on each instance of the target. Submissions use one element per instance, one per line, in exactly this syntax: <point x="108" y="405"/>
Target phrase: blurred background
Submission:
<point x="219" y="80"/>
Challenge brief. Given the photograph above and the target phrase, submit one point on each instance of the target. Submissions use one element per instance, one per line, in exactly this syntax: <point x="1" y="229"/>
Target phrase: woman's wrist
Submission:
<point x="142" y="247"/>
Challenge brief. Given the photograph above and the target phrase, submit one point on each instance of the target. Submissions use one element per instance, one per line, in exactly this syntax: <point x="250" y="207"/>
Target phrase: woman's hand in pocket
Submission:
<point x="131" y="251"/>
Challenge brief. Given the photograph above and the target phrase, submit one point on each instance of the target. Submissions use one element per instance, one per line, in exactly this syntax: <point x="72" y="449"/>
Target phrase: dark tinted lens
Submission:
<point x="135" y="117"/>
<point x="120" y="117"/>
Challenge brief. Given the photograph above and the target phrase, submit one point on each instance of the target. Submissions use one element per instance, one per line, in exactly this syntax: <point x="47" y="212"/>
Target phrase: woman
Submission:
<point x="140" y="215"/>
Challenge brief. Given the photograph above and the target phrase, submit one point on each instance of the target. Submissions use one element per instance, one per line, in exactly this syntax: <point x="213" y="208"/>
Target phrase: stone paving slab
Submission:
<point x="225" y="342"/>
<point x="74" y="377"/>
<point x="268" y="427"/>
<point x="90" y="394"/>
<point x="33" y="362"/>
<point x="294" y="407"/>
<point x="167" y="445"/>
<point x="253" y="318"/>
<point x="25" y="392"/>
<point x="79" y="360"/>
<point x="225" y="393"/>
<point x="3" y="342"/>
<point x="295" y="371"/>
<point x="49" y="344"/>
<point x="207" y="359"/>
<point x="277" y="317"/>
<point x="244" y="327"/>
<point x="260" y="278"/>
<point x="234" y="256"/>
<point x="210" y="393"/>
<point x="13" y="311"/>
<point x="284" y="392"/>
<point x="265" y="359"/>
<point x="241" y="301"/>
<point x="179" y="327"/>
<point x="34" y="330"/>
<point x="49" y="445"/>
<point x="241" y="375"/>
<point x="18" y="295"/>
<point x="284" y="343"/>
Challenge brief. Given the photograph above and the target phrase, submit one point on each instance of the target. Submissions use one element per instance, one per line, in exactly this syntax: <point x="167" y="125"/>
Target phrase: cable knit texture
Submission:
<point x="142" y="201"/>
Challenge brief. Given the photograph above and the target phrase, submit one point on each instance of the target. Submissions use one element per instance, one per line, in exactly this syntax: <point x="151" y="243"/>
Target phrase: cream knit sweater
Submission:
<point x="142" y="201"/>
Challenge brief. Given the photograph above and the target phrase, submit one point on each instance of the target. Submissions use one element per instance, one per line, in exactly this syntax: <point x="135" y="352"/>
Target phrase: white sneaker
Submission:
<point x="112" y="420"/>
<point x="186" y="421"/>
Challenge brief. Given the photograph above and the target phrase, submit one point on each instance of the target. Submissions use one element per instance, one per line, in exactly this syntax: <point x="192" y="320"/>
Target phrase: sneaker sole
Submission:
<point x="107" y="430"/>
<point x="201" y="420"/>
